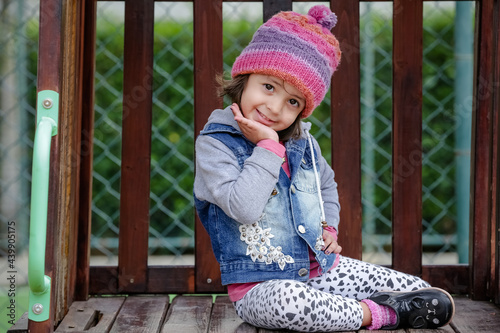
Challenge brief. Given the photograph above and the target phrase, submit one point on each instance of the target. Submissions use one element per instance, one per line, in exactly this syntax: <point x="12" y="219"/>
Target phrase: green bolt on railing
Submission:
<point x="47" y="120"/>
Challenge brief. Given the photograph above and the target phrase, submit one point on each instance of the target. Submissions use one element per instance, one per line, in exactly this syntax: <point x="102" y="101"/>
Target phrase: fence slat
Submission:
<point x="407" y="136"/>
<point x="87" y="138"/>
<point x="346" y="139"/>
<point x="271" y="7"/>
<point x="207" y="64"/>
<point x="481" y="251"/>
<point x="496" y="163"/>
<point x="136" y="145"/>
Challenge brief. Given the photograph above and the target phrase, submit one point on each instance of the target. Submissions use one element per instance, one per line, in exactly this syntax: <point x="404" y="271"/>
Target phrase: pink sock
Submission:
<point x="381" y="315"/>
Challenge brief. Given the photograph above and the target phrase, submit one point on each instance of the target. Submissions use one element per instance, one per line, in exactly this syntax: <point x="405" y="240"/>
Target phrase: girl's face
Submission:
<point x="271" y="101"/>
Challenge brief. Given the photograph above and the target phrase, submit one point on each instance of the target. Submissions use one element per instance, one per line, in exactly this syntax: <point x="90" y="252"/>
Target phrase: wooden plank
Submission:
<point x="103" y="280"/>
<point x="136" y="145"/>
<point x="49" y="46"/>
<point x="444" y="329"/>
<point x="407" y="136"/>
<point x="21" y="325"/>
<point x="452" y="278"/>
<point x="77" y="320"/>
<point x="172" y="280"/>
<point x="107" y="311"/>
<point x="481" y="153"/>
<point x="188" y="314"/>
<point x="271" y="7"/>
<point x="224" y="318"/>
<point x="86" y="152"/>
<point x="141" y="314"/>
<point x="161" y="279"/>
<point x="345" y="122"/>
<point x="95" y="315"/>
<point x="69" y="142"/>
<point x="496" y="166"/>
<point x="475" y="316"/>
<point x="207" y="64"/>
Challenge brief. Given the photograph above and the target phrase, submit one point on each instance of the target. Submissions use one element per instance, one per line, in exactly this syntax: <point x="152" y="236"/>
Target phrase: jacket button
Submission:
<point x="302" y="230"/>
<point x="293" y="188"/>
<point x="303" y="272"/>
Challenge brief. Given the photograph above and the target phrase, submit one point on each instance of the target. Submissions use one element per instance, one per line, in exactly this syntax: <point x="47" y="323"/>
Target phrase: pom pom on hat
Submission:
<point x="299" y="49"/>
<point x="323" y="16"/>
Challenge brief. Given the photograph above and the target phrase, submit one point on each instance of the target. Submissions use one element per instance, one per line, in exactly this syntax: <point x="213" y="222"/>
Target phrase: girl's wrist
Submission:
<point x="272" y="146"/>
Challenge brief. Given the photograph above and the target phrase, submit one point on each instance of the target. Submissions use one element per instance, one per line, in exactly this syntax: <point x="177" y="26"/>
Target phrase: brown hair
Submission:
<point x="234" y="87"/>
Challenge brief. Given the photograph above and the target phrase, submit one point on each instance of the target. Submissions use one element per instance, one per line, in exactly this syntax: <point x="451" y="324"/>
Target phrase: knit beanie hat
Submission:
<point x="299" y="49"/>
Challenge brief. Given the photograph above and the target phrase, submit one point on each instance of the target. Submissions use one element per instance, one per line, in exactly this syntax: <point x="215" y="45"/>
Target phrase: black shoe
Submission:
<point x="424" y="308"/>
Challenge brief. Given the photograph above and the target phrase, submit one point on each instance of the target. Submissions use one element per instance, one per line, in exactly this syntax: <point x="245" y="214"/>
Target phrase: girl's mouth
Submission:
<point x="263" y="119"/>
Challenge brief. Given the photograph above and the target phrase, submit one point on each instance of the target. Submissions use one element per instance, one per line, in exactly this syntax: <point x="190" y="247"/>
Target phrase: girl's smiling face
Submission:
<point x="271" y="101"/>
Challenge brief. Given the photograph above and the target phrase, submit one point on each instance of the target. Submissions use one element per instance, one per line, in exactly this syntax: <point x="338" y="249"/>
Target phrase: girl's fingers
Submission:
<point x="244" y="122"/>
<point x="333" y="248"/>
<point x="236" y="110"/>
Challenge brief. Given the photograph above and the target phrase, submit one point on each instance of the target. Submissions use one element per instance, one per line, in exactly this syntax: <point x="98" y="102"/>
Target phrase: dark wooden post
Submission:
<point x="407" y="136"/>
<point x="345" y="119"/>
<point x="136" y="145"/>
<point x="486" y="88"/>
<point x="86" y="150"/>
<point x="49" y="62"/>
<point x="207" y="64"/>
<point x="271" y="7"/>
<point x="496" y="149"/>
<point x="69" y="151"/>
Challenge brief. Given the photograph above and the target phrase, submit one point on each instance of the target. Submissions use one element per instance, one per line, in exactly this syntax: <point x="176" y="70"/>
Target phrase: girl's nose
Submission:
<point x="274" y="105"/>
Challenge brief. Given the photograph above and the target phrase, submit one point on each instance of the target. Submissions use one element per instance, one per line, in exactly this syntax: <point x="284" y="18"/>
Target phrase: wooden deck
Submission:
<point x="187" y="314"/>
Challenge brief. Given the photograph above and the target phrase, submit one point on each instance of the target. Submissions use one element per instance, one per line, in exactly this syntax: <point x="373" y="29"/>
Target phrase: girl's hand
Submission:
<point x="331" y="245"/>
<point x="253" y="130"/>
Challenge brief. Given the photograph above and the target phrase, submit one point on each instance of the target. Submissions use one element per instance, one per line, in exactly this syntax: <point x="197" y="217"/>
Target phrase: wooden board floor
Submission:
<point x="186" y="314"/>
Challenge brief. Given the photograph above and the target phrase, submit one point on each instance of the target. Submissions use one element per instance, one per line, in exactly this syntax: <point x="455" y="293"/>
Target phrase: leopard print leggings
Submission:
<point x="323" y="304"/>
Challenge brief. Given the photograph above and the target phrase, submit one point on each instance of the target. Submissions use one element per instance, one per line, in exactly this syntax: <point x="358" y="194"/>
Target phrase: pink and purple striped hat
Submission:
<point x="299" y="49"/>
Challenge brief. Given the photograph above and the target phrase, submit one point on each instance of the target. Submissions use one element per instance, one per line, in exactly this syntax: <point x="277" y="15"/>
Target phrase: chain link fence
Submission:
<point x="445" y="130"/>
<point x="19" y="45"/>
<point x="446" y="122"/>
<point x="439" y="128"/>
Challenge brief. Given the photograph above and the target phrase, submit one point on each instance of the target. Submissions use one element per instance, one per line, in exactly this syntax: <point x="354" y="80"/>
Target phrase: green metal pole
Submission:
<point x="464" y="41"/>
<point x="39" y="283"/>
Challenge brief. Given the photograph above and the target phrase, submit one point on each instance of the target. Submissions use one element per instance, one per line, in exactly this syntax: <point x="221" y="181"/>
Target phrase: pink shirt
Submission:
<point x="236" y="291"/>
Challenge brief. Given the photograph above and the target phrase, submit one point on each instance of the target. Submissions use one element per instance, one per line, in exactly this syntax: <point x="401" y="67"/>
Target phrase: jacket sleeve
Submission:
<point x="328" y="190"/>
<point x="242" y="193"/>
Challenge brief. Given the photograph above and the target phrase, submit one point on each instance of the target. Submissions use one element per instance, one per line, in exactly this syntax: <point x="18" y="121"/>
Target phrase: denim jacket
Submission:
<point x="275" y="244"/>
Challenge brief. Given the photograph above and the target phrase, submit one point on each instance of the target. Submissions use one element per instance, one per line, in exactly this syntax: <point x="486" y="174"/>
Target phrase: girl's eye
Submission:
<point x="294" y="102"/>
<point x="268" y="86"/>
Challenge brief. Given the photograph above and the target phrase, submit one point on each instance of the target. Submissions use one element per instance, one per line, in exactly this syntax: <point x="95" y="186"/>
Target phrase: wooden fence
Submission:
<point x="66" y="65"/>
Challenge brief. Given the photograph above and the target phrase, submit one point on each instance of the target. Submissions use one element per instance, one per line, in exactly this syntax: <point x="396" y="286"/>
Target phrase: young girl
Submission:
<point x="269" y="201"/>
